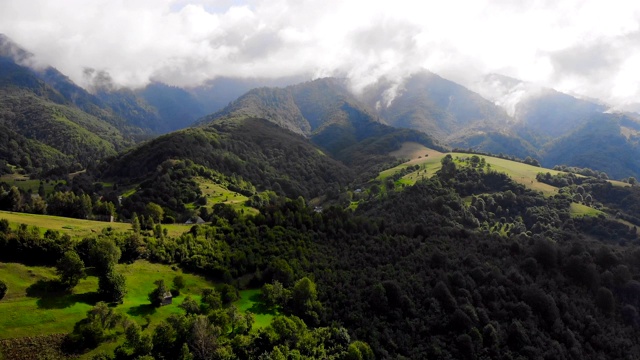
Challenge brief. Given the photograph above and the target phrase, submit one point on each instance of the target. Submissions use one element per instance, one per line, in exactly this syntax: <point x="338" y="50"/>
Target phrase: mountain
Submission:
<point x="33" y="110"/>
<point x="176" y="108"/>
<point x="327" y="112"/>
<point x="56" y="123"/>
<point x="546" y="111"/>
<point x="605" y="142"/>
<point x="217" y="93"/>
<point x="448" y="112"/>
<point x="427" y="102"/>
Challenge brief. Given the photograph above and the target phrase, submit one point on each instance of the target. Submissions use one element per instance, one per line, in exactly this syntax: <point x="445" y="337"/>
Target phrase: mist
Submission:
<point x="580" y="47"/>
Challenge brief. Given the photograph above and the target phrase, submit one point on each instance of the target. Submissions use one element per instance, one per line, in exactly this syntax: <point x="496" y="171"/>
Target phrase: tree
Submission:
<point x="70" y="268"/>
<point x="185" y="354"/>
<point x="112" y="286"/>
<point x="203" y="338"/>
<point x="304" y="300"/>
<point x="15" y="199"/>
<point x="359" y="350"/>
<point x="210" y="300"/>
<point x="275" y="294"/>
<point x="3" y="289"/>
<point x="190" y="306"/>
<point x="164" y="338"/>
<point x="157" y="295"/>
<point x="228" y="293"/>
<point x="154" y="211"/>
<point x="135" y="223"/>
<point x="448" y="169"/>
<point x="178" y="283"/>
<point x="605" y="301"/>
<point x="140" y="343"/>
<point x="89" y="332"/>
<point x="104" y="255"/>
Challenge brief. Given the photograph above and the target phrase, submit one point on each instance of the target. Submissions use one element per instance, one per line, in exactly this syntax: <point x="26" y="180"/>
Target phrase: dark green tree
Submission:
<point x="157" y="295"/>
<point x="104" y="255"/>
<point x="112" y="287"/>
<point x="304" y="300"/>
<point x="179" y="283"/>
<point x="135" y="223"/>
<point x="70" y="268"/>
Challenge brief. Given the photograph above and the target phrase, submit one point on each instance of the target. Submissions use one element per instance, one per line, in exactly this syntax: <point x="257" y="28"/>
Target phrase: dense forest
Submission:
<point x="465" y="265"/>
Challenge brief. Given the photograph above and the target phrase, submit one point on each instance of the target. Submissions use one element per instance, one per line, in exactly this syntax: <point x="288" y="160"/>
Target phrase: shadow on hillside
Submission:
<point x="259" y="307"/>
<point x="142" y="310"/>
<point x="68" y="300"/>
<point x="52" y="295"/>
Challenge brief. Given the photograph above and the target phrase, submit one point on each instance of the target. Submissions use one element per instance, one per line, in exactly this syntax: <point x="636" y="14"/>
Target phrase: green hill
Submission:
<point x="260" y="152"/>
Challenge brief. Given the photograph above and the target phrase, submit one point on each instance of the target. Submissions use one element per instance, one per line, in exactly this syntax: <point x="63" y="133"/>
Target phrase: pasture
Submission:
<point x="217" y="193"/>
<point x="77" y="228"/>
<point x="26" y="184"/>
<point x="578" y="210"/>
<point x="27" y="310"/>
<point x="250" y="301"/>
<point x="429" y="162"/>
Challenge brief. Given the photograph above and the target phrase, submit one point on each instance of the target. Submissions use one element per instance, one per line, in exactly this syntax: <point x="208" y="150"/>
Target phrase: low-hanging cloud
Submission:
<point x="584" y="47"/>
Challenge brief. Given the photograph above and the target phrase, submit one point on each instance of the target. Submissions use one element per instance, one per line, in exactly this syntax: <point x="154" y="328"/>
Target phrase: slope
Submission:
<point x="427" y="102"/>
<point x="599" y="144"/>
<point x="328" y="113"/>
<point x="256" y="150"/>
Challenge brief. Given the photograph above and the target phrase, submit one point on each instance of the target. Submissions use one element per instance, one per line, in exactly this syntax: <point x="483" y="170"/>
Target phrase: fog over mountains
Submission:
<point x="577" y="47"/>
<point x="505" y="116"/>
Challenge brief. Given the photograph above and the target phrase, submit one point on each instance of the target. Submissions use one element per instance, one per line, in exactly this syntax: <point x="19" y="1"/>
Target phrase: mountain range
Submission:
<point x="50" y="122"/>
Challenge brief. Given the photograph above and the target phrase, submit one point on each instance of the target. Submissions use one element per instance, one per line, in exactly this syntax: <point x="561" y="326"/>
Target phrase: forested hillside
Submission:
<point x="255" y="149"/>
<point x="465" y="265"/>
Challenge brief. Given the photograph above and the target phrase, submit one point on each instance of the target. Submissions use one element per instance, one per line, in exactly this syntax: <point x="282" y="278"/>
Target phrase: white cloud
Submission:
<point x="587" y="47"/>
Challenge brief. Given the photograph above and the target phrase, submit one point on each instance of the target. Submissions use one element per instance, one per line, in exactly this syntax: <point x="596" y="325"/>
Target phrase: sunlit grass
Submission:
<point x="24" y="315"/>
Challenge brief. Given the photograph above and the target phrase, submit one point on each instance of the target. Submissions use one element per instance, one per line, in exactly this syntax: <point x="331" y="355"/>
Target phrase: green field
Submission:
<point x="429" y="162"/>
<point x="578" y="210"/>
<point x="77" y="228"/>
<point x="28" y="312"/>
<point x="250" y="301"/>
<point x="24" y="183"/>
<point x="216" y="194"/>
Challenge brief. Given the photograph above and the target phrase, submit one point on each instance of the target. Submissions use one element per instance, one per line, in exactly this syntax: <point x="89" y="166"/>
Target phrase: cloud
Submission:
<point x="585" y="47"/>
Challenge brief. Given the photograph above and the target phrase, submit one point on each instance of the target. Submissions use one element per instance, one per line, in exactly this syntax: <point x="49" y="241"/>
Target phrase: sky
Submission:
<point x="589" y="48"/>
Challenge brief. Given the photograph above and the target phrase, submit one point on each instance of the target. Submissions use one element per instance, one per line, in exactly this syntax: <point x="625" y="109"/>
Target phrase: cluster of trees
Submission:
<point x="62" y="202"/>
<point x="620" y="202"/>
<point x="528" y="160"/>
<point x="582" y="171"/>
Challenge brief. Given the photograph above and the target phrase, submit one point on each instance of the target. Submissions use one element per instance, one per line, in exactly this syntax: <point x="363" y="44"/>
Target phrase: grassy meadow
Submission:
<point x="216" y="194"/>
<point x="27" y="311"/>
<point x="578" y="210"/>
<point x="25" y="183"/>
<point x="250" y="301"/>
<point x="77" y="228"/>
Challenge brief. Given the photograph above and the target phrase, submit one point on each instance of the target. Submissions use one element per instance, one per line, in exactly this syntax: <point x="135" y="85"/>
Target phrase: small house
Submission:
<point x="167" y="299"/>
<point x="196" y="220"/>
